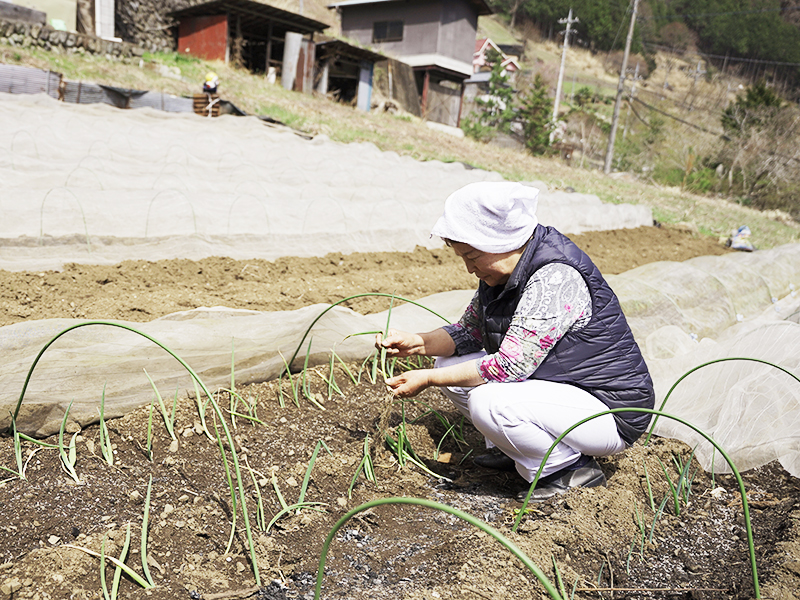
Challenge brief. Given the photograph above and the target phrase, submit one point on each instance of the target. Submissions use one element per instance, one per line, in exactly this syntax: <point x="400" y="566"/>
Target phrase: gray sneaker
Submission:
<point x="495" y="459"/>
<point x="560" y="482"/>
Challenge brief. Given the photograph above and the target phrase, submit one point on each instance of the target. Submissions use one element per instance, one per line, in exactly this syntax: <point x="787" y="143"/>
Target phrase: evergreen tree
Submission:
<point x="755" y="109"/>
<point x="495" y="107"/>
<point x="535" y="112"/>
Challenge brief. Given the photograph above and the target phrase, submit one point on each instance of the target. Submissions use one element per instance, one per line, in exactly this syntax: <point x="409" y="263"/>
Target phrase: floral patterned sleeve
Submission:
<point x="555" y="300"/>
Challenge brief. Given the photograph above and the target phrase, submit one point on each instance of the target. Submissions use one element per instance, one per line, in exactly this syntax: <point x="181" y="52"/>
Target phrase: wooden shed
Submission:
<point x="347" y="71"/>
<point x="258" y="36"/>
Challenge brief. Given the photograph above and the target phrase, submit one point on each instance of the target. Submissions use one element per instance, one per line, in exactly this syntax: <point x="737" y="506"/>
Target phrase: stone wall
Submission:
<point x="19" y="33"/>
<point x="145" y="22"/>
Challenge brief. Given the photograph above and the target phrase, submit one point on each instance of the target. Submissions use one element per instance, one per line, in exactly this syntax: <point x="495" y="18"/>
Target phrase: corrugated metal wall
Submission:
<point x="24" y="80"/>
<point x="162" y="101"/>
<point x="76" y="92"/>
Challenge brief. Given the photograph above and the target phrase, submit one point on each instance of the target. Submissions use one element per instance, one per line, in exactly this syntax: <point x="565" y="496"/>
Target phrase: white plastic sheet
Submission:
<point x="95" y="184"/>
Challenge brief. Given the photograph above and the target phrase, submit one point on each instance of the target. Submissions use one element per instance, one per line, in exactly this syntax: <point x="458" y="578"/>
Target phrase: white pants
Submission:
<point x="524" y="418"/>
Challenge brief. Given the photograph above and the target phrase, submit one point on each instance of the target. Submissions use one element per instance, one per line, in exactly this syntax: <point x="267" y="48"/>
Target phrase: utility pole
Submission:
<point x="569" y="21"/>
<point x="630" y="101"/>
<point x="620" y="89"/>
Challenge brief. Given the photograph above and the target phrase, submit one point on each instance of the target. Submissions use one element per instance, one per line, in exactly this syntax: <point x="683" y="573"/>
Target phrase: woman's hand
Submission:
<point x="410" y="383"/>
<point x="399" y="344"/>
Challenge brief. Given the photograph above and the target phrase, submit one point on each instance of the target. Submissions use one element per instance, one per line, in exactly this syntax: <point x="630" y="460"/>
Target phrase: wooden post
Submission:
<point x="461" y="103"/>
<point x="426" y="83"/>
<point x="322" y="86"/>
<point x="620" y="89"/>
<point x="269" y="48"/>
<point x="228" y="38"/>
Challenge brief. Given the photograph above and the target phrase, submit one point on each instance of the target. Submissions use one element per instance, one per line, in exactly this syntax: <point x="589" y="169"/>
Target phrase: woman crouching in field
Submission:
<point x="542" y="345"/>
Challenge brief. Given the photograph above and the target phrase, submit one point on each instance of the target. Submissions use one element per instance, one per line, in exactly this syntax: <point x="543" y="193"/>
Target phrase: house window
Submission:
<point x="387" y="31"/>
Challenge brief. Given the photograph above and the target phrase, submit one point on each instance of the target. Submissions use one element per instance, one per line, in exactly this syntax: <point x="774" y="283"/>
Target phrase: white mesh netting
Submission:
<point x="91" y="184"/>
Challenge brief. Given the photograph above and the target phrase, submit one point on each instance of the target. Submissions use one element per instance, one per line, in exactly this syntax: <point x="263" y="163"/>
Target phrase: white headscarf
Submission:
<point x="493" y="217"/>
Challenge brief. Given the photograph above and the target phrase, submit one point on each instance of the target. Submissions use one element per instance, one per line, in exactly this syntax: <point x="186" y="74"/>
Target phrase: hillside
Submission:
<point x="181" y="75"/>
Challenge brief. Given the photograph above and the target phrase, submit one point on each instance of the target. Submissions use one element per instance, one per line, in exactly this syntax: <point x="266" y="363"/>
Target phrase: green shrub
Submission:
<point x="584" y="96"/>
<point x="473" y="127"/>
<point x="669" y="176"/>
<point x="702" y="180"/>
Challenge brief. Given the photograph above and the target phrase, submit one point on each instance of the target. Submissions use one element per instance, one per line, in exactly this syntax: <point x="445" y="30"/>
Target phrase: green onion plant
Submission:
<point x="239" y="487"/>
<point x="122" y="557"/>
<point x="307" y="476"/>
<point x="295" y="508"/>
<point x="149" y="442"/>
<point x="103" y="585"/>
<point x="295" y="395"/>
<point x="105" y="440"/>
<point x="68" y="456"/>
<point x="656" y="517"/>
<point x="201" y="411"/>
<point x="325" y="311"/>
<point x="673" y="490"/>
<point x="346" y="368"/>
<point x="642" y="533"/>
<point x="169" y="420"/>
<point x="366" y="465"/>
<point x="20" y="472"/>
<point x="684" y="479"/>
<point x="278" y="494"/>
<point x="559" y="581"/>
<point x="260" y="519"/>
<point x="145" y="521"/>
<point x="125" y="568"/>
<point x="304" y="385"/>
<point x="649" y="487"/>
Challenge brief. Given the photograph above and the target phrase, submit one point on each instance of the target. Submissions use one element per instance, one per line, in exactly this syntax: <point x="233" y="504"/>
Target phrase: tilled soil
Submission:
<point x="613" y="542"/>
<point x="142" y="290"/>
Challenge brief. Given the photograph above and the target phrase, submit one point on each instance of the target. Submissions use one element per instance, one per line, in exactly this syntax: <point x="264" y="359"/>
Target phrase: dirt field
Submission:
<point x="142" y="291"/>
<point x="600" y="539"/>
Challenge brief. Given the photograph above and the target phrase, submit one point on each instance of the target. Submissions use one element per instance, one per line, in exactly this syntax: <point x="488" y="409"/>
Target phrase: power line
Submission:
<point x="679" y="104"/>
<point x="729" y="58"/>
<point x="666" y="114"/>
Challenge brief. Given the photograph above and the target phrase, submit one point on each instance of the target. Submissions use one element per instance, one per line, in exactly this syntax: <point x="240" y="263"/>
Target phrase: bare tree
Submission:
<point x="763" y="156"/>
<point x="677" y="38"/>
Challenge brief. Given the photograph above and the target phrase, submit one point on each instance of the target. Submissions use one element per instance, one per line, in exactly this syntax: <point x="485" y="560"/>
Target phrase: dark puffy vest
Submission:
<point x="601" y="358"/>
